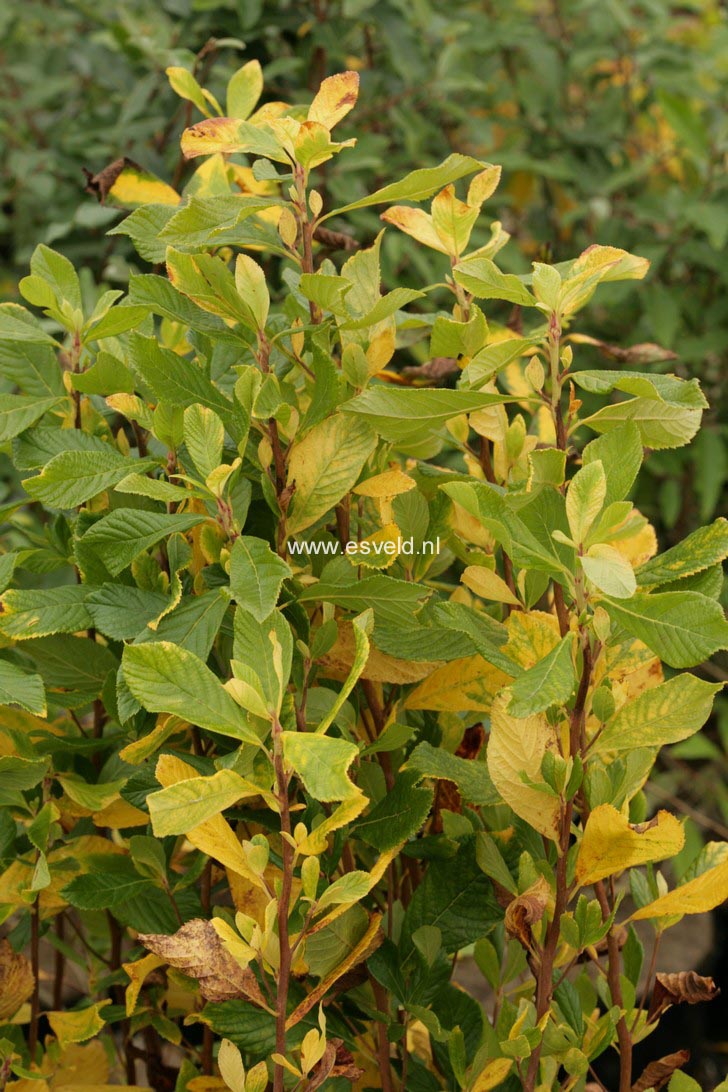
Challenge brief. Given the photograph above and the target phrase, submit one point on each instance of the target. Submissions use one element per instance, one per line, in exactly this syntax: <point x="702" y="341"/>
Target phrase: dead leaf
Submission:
<point x="658" y="1073"/>
<point x="16" y="981"/>
<point x="647" y="352"/>
<point x="525" y="910"/>
<point x="197" y="951"/>
<point x="433" y="372"/>
<point x="682" y="987"/>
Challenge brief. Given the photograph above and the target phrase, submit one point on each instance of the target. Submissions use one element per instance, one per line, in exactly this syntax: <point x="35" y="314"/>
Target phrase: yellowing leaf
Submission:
<point x="138" y="970"/>
<point x="380" y="667"/>
<point x="389" y="484"/>
<point x="531" y="636"/>
<point x="368" y="943"/>
<point x="334" y="99"/>
<point x="188" y="803"/>
<point x="347" y="811"/>
<point x="485" y="583"/>
<point x="322" y="763"/>
<point x="495" y="1073"/>
<point x="324" y="465"/>
<point x="16" y="981"/>
<point x="79" y="1025"/>
<point x="667" y="713"/>
<point x="610" y="843"/>
<point x="517" y="746"/>
<point x="214" y="837"/>
<point x="460" y="686"/>
<point x="698" y="896"/>
<point x="378" y="550"/>
<point x="126" y="184"/>
<point x="453" y="220"/>
<point x="639" y="547"/>
<point x="417" y="223"/>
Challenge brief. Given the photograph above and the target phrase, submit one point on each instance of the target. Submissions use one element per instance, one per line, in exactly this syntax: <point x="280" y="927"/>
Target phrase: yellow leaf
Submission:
<point x="610" y="843"/>
<point x="531" y="636"/>
<point x="214" y="837"/>
<point x="334" y="99"/>
<point x="78" y="1025"/>
<point x="389" y="484"/>
<point x="126" y="184"/>
<point x="16" y="981"/>
<point x="461" y="686"/>
<point x="138" y="971"/>
<point x="517" y="746"/>
<point x="346" y="812"/>
<point x="207" y="1084"/>
<point x="417" y="223"/>
<point x="639" y="547"/>
<point x="487" y="584"/>
<point x="378" y="550"/>
<point x="698" y="896"/>
<point x="81" y="1067"/>
<point x="484" y="185"/>
<point x="120" y="814"/>
<point x="495" y="1073"/>
<point x="379" y="667"/>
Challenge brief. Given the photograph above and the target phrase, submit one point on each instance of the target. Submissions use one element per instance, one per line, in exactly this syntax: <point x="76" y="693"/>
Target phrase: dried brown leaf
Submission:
<point x="525" y="910"/>
<point x="197" y="951"/>
<point x="682" y="987"/>
<point x="658" y="1073"/>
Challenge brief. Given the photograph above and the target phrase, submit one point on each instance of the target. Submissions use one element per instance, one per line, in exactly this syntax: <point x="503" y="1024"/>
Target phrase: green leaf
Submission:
<point x="417" y="185"/>
<point x="326" y="291"/>
<point x="180" y="807"/>
<point x="204" y="435"/>
<point x="457" y="898"/>
<point x="469" y="775"/>
<point x="322" y="763"/>
<point x="20" y="411"/>
<point x="490" y="859"/>
<point x="350" y="888"/>
<point x="664" y="714"/>
<point x="484" y="280"/>
<point x="399" y="815"/>
<point x="126" y="532"/>
<point x="400" y="415"/>
<point x="31" y="367"/>
<point x="383" y="308"/>
<point x="169" y="679"/>
<point x="117" y="320"/>
<point x="58" y="272"/>
<point x="256" y="575"/>
<point x="661" y="425"/>
<point x="361" y="627"/>
<point x="193" y="625"/>
<point x="550" y="682"/>
<point x="620" y="453"/>
<point x="121" y="612"/>
<point x="388" y="598"/>
<point x="19" y="688"/>
<point x="108" y="375"/>
<point x="184" y="84"/>
<point x="682" y="628"/>
<point x="113" y="881"/>
<point x="703" y="548"/>
<point x="324" y="466"/>
<point x="73" y="477"/>
<point x="39" y="612"/>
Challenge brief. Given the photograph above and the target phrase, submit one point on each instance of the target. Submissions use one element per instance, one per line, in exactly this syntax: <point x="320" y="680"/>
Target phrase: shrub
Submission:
<point x="320" y="673"/>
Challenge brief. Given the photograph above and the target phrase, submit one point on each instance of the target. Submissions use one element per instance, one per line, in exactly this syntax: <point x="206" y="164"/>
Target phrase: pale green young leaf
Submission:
<point x="361" y="628"/>
<point x="585" y="499"/>
<point x="204" y="436"/>
<point x="58" y="272"/>
<point x="253" y="290"/>
<point x="139" y="485"/>
<point x="326" y="291"/>
<point x="661" y="425"/>
<point x="243" y="90"/>
<point x="349" y="888"/>
<point x="609" y="571"/>
<point x="165" y="678"/>
<point x="322" y="763"/>
<point x="484" y="280"/>
<point x="184" y="84"/>
<point x="620" y="453"/>
<point x="664" y="714"/>
<point x="400" y="415"/>
<point x="550" y="682"/>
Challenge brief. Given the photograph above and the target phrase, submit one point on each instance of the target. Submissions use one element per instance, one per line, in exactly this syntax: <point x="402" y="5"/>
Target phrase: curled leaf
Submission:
<point x="682" y="987"/>
<point x="657" y="1074"/>
<point x="527" y="909"/>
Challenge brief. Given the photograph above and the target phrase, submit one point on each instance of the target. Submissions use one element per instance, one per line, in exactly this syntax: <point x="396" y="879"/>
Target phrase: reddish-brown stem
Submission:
<point x="624" y="1037"/>
<point x="59" y="964"/>
<point x="284" y="903"/>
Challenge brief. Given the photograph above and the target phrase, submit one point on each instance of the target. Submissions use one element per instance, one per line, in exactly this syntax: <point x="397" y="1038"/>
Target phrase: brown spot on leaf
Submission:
<point x="197" y="951"/>
<point x="657" y="1074"/>
<point x="683" y="987"/>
